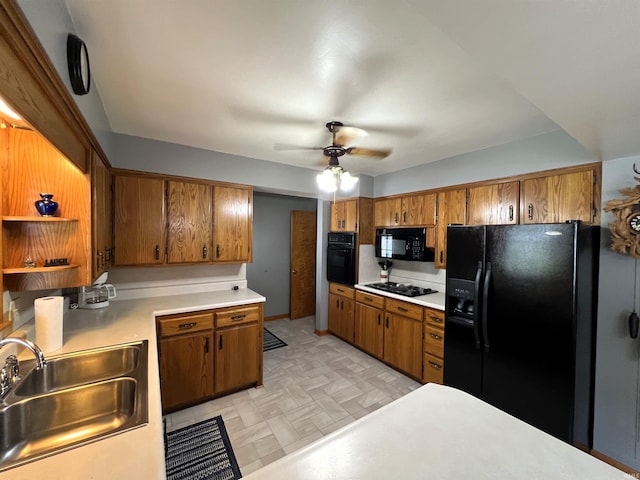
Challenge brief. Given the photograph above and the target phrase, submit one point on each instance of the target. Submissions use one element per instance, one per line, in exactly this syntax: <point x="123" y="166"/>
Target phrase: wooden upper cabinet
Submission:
<point x="410" y="210"/>
<point x="558" y="198"/>
<point x="387" y="212"/>
<point x="233" y="219"/>
<point x="451" y="209"/>
<point x="419" y="209"/>
<point x="189" y="217"/>
<point x="139" y="220"/>
<point x="102" y="222"/>
<point x="495" y="204"/>
<point x="344" y="216"/>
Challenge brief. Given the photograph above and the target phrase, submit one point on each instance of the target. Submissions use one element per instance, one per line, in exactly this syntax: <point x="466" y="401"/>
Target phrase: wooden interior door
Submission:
<point x="302" y="297"/>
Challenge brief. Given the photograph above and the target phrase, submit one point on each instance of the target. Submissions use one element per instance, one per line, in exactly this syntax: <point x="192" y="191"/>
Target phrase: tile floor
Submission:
<point x="312" y="387"/>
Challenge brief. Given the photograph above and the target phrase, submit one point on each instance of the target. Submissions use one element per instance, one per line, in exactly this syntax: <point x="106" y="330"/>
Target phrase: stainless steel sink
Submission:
<point x="83" y="398"/>
<point x="80" y="367"/>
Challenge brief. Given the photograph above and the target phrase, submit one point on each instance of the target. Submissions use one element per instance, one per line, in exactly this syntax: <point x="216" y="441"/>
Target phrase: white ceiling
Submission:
<point x="429" y="79"/>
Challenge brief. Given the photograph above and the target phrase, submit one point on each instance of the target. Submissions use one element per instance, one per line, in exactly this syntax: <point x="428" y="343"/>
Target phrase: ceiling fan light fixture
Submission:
<point x="334" y="177"/>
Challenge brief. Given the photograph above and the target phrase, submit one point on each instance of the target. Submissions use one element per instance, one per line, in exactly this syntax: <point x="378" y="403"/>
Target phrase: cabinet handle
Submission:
<point x="343" y="222"/>
<point x="220" y="343"/>
<point x="186" y="326"/>
<point x="340" y="290"/>
<point x="100" y="260"/>
<point x="217" y="251"/>
<point x="435" y="365"/>
<point x="157" y="252"/>
<point x="108" y="254"/>
<point x="206" y="345"/>
<point x="435" y="336"/>
<point x="402" y="309"/>
<point x="436" y="319"/>
<point x="341" y="304"/>
<point x="235" y="318"/>
<point x="395" y="217"/>
<point x="531" y="211"/>
<point x="387" y="321"/>
<point x="368" y="299"/>
<point x="404" y="217"/>
<point x="379" y="320"/>
<point x="337" y="303"/>
<point x="511" y="213"/>
<point x="441" y="256"/>
<point x="205" y="251"/>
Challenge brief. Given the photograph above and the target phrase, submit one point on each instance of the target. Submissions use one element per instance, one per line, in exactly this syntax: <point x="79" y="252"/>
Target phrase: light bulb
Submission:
<point x="347" y="181"/>
<point x="327" y="181"/>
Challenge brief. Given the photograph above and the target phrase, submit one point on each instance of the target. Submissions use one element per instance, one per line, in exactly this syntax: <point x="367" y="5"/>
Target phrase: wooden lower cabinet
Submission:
<point x="433" y="362"/>
<point x="342" y="311"/>
<point x="236" y="359"/>
<point x="403" y="344"/>
<point x="369" y="330"/>
<point x="185" y="350"/>
<point x="209" y="353"/>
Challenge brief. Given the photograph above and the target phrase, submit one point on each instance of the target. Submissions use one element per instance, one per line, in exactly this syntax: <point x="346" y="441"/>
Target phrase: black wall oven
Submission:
<point x="341" y="258"/>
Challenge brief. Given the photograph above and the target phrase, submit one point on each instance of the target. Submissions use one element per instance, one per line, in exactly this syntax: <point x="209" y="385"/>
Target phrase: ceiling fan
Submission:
<point x="342" y="135"/>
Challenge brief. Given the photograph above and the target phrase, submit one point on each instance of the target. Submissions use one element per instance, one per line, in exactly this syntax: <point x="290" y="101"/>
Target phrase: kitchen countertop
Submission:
<point x="137" y="453"/>
<point x="433" y="300"/>
<point x="439" y="433"/>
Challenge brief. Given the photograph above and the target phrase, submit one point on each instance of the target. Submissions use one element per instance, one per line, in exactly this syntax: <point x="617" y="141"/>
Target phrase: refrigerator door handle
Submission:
<point x="476" y="299"/>
<point x="485" y="306"/>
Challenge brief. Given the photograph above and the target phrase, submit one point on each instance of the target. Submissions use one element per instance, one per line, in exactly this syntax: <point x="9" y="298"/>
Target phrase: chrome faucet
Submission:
<point x="10" y="373"/>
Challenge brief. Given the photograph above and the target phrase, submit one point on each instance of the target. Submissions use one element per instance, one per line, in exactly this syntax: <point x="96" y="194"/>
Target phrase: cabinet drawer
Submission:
<point x="237" y="315"/>
<point x="432" y="370"/>
<point x="369" y="299"/>
<point x="405" y="309"/>
<point x="343" y="290"/>
<point x="434" y="341"/>
<point x="172" y="325"/>
<point x="434" y="317"/>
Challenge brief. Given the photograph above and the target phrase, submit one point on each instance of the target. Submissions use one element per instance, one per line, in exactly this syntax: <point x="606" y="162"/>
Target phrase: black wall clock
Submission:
<point x="78" y="62"/>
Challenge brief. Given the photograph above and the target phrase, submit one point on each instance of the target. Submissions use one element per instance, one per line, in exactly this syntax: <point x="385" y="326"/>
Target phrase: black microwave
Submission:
<point x="403" y="244"/>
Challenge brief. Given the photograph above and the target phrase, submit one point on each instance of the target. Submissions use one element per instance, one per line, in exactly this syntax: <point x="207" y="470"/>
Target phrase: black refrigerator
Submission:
<point x="520" y="321"/>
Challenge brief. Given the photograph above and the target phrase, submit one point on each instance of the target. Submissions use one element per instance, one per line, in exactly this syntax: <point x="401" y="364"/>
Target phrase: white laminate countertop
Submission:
<point x="433" y="300"/>
<point x="138" y="453"/>
<point x="438" y="433"/>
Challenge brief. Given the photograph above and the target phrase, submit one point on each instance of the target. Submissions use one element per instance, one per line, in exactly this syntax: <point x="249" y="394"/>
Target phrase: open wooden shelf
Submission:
<point x="14" y="218"/>
<point x="13" y="271"/>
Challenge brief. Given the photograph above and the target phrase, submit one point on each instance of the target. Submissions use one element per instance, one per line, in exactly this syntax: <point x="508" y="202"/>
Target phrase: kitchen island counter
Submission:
<point x="137" y="453"/>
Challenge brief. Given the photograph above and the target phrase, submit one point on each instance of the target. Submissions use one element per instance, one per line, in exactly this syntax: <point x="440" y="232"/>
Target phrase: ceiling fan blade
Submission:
<point x="286" y="146"/>
<point x="347" y="135"/>
<point x="368" y="152"/>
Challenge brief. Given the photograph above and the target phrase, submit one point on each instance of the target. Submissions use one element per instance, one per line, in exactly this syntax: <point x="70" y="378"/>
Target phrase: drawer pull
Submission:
<point x="436" y="319"/>
<point x="402" y="309"/>
<point x="340" y="290"/>
<point x="235" y="318"/>
<point x="434" y="365"/>
<point x="435" y="335"/>
<point x="186" y="326"/>
<point x="368" y="299"/>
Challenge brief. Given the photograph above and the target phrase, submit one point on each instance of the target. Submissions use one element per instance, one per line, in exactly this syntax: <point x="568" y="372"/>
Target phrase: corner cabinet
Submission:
<point x="30" y="165"/>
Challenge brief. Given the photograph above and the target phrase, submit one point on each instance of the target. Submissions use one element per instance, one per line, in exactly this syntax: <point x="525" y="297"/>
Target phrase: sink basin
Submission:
<point x="81" y="367"/>
<point x="85" y="397"/>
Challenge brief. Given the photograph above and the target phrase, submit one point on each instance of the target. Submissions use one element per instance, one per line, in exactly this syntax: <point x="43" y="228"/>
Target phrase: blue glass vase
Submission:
<point x="46" y="207"/>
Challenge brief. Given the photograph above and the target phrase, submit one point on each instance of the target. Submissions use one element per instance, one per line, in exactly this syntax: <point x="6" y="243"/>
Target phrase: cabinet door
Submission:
<point x="347" y="318"/>
<point x="102" y="221"/>
<point x="558" y="198"/>
<point x="368" y="331"/>
<point x="493" y="204"/>
<point x="233" y="216"/>
<point x="403" y="344"/>
<point x="451" y="209"/>
<point x="334" y="313"/>
<point x="139" y="226"/>
<point x="419" y="209"/>
<point x="186" y="369"/>
<point x="386" y="212"/>
<point x="350" y="216"/>
<point x="337" y="214"/>
<point x="189" y="222"/>
<point x="237" y="357"/>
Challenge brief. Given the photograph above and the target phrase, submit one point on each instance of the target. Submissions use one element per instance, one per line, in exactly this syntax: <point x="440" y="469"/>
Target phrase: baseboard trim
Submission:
<point x="276" y="317"/>
<point x="322" y="333"/>
<point x="615" y="463"/>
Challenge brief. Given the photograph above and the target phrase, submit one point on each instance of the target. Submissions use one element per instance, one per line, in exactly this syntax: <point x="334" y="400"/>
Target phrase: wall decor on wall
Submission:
<point x="625" y="230"/>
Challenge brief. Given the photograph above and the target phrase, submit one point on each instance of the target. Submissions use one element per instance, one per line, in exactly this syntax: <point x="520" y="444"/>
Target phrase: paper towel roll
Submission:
<point x="48" y="313"/>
